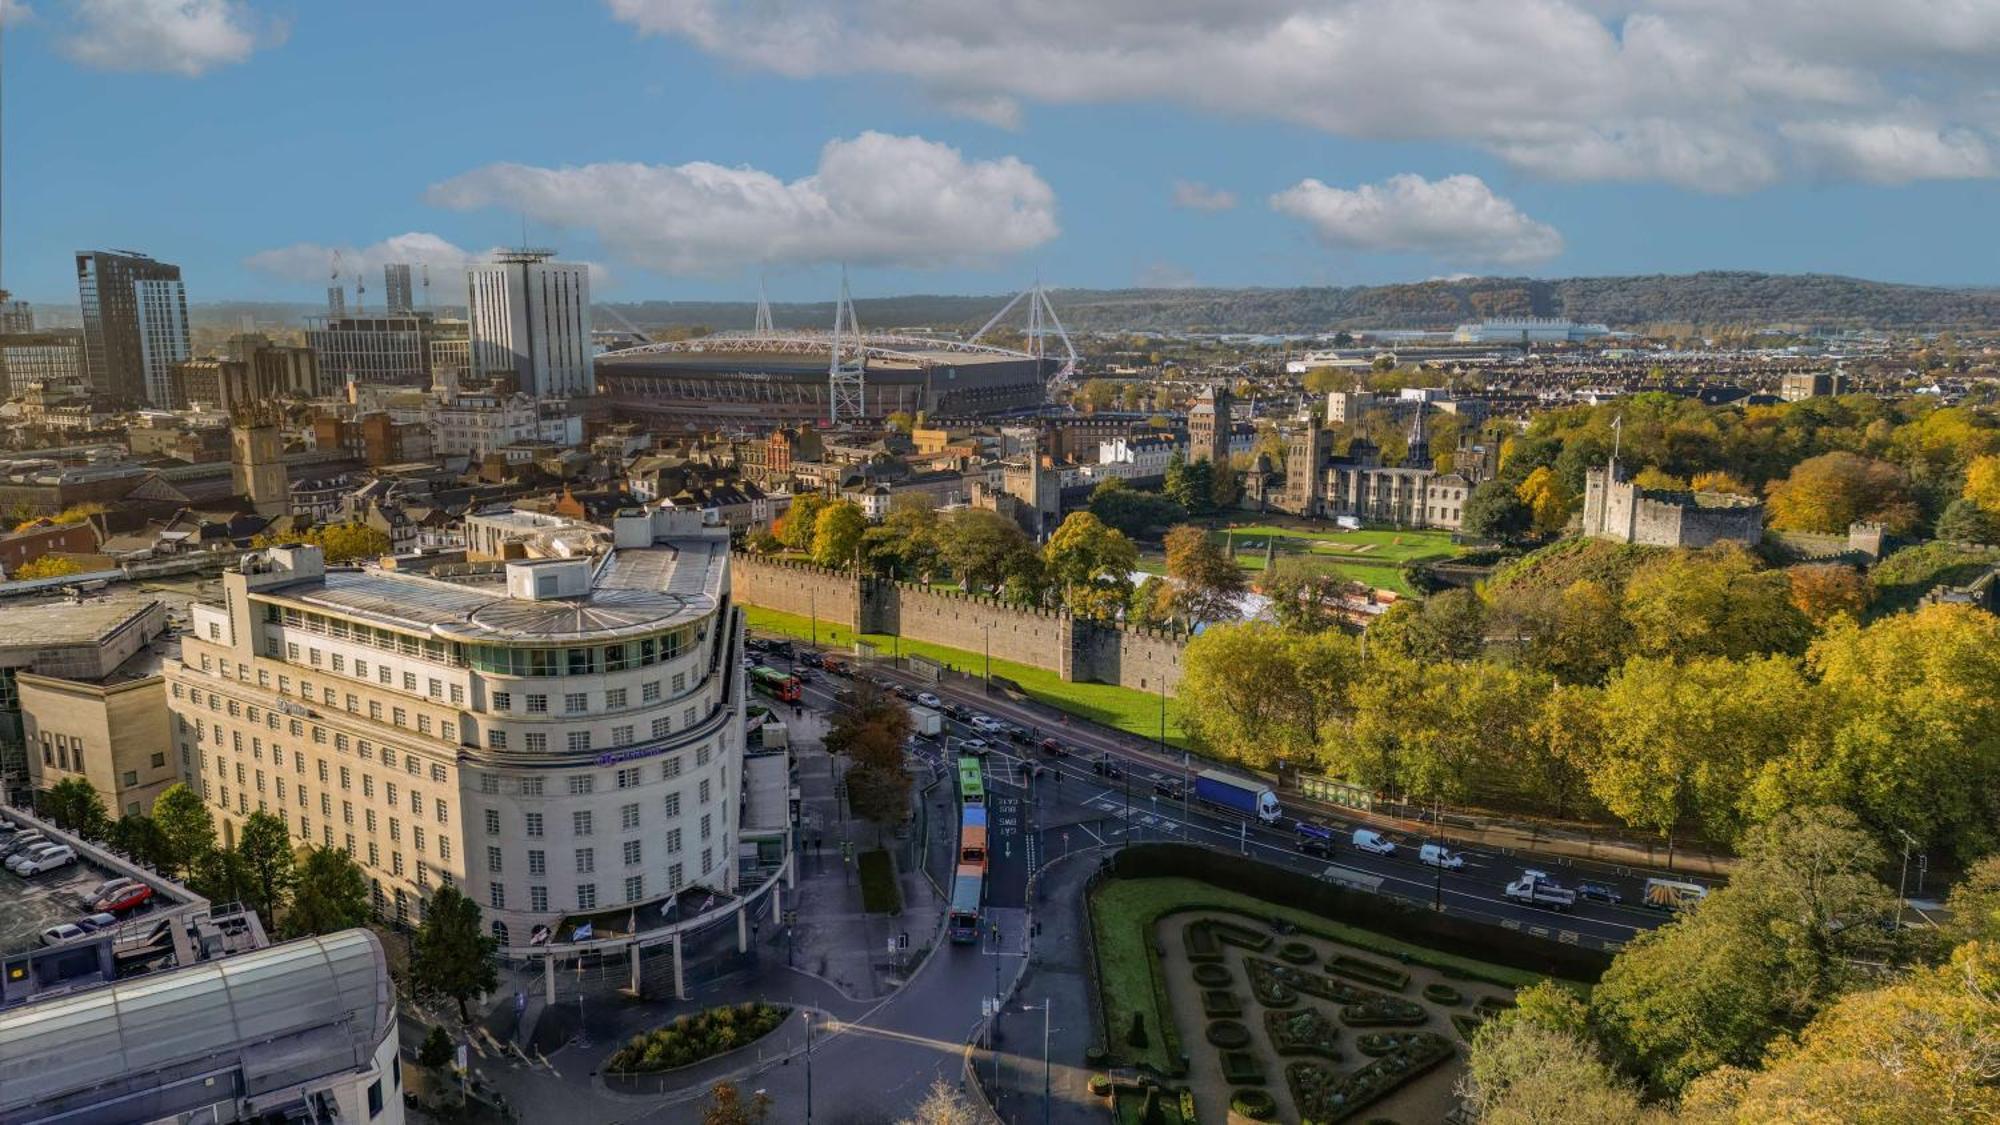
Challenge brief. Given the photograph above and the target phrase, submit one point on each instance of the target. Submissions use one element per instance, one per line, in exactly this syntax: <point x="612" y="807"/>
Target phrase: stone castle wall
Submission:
<point x="1040" y="638"/>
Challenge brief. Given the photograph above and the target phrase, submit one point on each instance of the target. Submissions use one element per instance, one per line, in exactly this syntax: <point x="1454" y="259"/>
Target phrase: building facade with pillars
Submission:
<point x="557" y="737"/>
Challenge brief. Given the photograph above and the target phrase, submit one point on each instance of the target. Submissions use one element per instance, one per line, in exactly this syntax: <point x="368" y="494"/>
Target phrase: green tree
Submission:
<point x="1252" y="692"/>
<point x="1975" y="904"/>
<point x="1092" y="566"/>
<point x="1495" y="511"/>
<point x="1828" y="492"/>
<point x="1208" y="584"/>
<point x="221" y="875"/>
<point x="800" y="521"/>
<point x="452" y="955"/>
<point x="330" y="894"/>
<point x="1306" y="596"/>
<point x="1713" y="602"/>
<point x="436" y="1052"/>
<point x="73" y="804"/>
<point x="978" y="545"/>
<point x="1537" y="1065"/>
<point x="837" y="532"/>
<point x="138" y="836"/>
<point x="187" y="830"/>
<point x="1450" y="626"/>
<point x="906" y="543"/>
<point x="1435" y="730"/>
<point x="1963" y="521"/>
<point x="341" y="542"/>
<point x="1190" y="484"/>
<point x="1550" y="502"/>
<point x="265" y="846"/>
<point x="1131" y="511"/>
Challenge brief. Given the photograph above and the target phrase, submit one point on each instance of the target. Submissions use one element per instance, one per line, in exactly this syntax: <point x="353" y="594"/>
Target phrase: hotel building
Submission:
<point x="557" y="737"/>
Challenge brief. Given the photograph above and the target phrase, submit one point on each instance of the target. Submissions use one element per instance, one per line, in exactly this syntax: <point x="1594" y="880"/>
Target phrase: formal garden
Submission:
<point x="1217" y="1003"/>
<point x="691" y="1038"/>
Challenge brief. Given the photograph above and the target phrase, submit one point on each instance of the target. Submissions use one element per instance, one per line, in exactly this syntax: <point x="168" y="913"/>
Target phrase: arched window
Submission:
<point x="500" y="934"/>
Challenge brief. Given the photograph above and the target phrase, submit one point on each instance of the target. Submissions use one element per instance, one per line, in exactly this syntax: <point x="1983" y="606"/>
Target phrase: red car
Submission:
<point x="1053" y="748"/>
<point x="127" y="900"/>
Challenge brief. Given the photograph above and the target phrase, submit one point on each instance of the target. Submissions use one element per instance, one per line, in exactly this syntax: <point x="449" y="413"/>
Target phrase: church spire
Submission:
<point x="1419" y="455"/>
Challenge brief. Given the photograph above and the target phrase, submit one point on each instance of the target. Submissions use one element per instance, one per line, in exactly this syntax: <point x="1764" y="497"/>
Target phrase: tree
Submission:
<point x="436" y="1052"/>
<point x="1432" y="729"/>
<point x="1975" y="904"/>
<point x="265" y="846"/>
<point x="879" y="794"/>
<point x="942" y="1105"/>
<point x="1208" y="584"/>
<point x="1921" y="1049"/>
<point x="1759" y="958"/>
<point x="1550" y="502"/>
<point x="837" y="532"/>
<point x="1536" y="1065"/>
<point x="978" y="543"/>
<point x="1576" y="634"/>
<point x="138" y="836"/>
<point x="1963" y="521"/>
<point x="1131" y="511"/>
<point x="1450" y="626"/>
<point x="221" y="875"/>
<point x="1495" y="511"/>
<point x="330" y="894"/>
<point x="902" y="421"/>
<point x="907" y="541"/>
<point x="48" y="566"/>
<point x="1982" y="482"/>
<point x="1828" y="492"/>
<point x="1654" y="479"/>
<point x="452" y="955"/>
<point x="1092" y="565"/>
<point x="1713" y="602"/>
<point x="187" y="830"/>
<point x="1826" y="590"/>
<point x="1251" y="692"/>
<point x="73" y="804"/>
<point x="796" y="529"/>
<point x="341" y="542"/>
<point x="1715" y="480"/>
<point x="1191" y="484"/>
<point x="1324" y="380"/>
<point x="1306" y="596"/>
<point x="726" y="1105"/>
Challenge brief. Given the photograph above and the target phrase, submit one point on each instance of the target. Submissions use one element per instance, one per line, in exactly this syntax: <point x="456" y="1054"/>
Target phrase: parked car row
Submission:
<point x="30" y="852"/>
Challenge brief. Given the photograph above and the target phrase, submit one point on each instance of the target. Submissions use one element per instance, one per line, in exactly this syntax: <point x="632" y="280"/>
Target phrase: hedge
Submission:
<point x="1212" y="976"/>
<point x="702" y="1035"/>
<point x="1255" y="1104"/>
<point x="1443" y="994"/>
<point x="1389" y="1011"/>
<point x="1368" y="972"/>
<point x="1297" y="953"/>
<point x="1219" y="1002"/>
<point x="1228" y="1034"/>
<point x="1241" y="1068"/>
<point x="879" y="893"/>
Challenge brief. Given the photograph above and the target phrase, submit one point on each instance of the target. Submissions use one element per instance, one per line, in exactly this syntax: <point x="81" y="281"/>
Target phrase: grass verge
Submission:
<point x="1124" y="913"/>
<point x="1129" y="709"/>
<point x="879" y="893"/>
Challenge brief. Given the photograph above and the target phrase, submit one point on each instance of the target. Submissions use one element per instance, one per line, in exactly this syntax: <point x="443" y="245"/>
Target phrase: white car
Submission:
<point x="929" y="700"/>
<point x="21" y="858"/>
<point x="985" y="724"/>
<point x="56" y="935"/>
<point x="60" y="856"/>
<point x="1437" y="855"/>
<point x="1373" y="842"/>
<point x="974" y="746"/>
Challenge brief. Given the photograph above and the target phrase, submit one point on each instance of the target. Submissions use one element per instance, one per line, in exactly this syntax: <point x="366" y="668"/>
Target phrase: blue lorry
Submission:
<point x="1244" y="798"/>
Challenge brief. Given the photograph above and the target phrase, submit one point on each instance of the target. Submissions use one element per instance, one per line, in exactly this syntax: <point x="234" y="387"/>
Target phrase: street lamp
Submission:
<point x="807" y="1016"/>
<point x="1048" y="1071"/>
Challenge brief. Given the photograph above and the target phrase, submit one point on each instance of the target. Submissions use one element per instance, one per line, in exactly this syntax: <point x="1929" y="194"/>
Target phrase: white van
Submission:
<point x="1437" y="855"/>
<point x="1373" y="842"/>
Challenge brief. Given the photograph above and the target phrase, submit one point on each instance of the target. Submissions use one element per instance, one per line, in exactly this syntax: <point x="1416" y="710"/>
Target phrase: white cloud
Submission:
<point x="1164" y="275"/>
<point x="1718" y="95"/>
<point x="312" y="262"/>
<point x="1456" y="219"/>
<point x="184" y="37"/>
<point x="873" y="200"/>
<point x="1200" y="197"/>
<point x="13" y="13"/>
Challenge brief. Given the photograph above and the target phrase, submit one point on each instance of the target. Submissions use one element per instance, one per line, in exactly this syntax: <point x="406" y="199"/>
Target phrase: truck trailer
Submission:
<point x="1244" y="798"/>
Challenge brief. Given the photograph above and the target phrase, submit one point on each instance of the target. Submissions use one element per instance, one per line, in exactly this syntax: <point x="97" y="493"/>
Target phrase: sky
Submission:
<point x="691" y="148"/>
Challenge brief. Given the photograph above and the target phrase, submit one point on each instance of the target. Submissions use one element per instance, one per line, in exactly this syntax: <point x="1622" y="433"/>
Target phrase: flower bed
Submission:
<point x="1202" y="948"/>
<point x="1272" y="980"/>
<point x="1240" y="1068"/>
<point x="1443" y="994"/>
<point x="1368" y="972"/>
<point x="1212" y="976"/>
<point x="1307" y="1031"/>
<point x="1228" y="1034"/>
<point x="1255" y="1104"/>
<point x="1242" y="937"/>
<point x="1219" y="1002"/>
<point x="1388" y="1011"/>
<point x="1378" y="1043"/>
<point x="1323" y="1096"/>
<point x="1297" y="953"/>
<point x="692" y="1038"/>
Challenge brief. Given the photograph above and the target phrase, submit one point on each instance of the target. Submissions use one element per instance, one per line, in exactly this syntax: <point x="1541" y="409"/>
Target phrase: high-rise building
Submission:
<point x="374" y="349"/>
<point x="396" y="285"/>
<point x="135" y="325"/>
<point x="15" y="316"/>
<point x="531" y="321"/>
<point x="53" y="359"/>
<point x="563" y="738"/>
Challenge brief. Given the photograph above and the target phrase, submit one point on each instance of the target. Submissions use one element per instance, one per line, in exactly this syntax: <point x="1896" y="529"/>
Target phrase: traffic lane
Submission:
<point x="1470" y="889"/>
<point x="1007" y="851"/>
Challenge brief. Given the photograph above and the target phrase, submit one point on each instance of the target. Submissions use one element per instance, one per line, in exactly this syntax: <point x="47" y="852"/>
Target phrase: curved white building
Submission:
<point x="558" y="738"/>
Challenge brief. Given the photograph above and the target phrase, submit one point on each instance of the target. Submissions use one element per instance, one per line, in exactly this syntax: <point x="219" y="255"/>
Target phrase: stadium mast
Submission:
<point x="763" y="325"/>
<point x="1042" y="321"/>
<point x="844" y="395"/>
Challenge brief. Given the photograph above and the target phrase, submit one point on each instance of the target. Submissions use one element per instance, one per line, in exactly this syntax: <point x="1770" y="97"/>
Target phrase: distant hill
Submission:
<point x="1705" y="299"/>
<point x="1709" y="300"/>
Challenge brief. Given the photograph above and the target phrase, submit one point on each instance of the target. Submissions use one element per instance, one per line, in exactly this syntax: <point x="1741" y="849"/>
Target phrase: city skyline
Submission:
<point x="685" y="152"/>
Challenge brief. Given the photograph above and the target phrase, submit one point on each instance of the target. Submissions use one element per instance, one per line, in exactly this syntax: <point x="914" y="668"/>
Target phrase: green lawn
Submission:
<point x="1123" y="916"/>
<point x="1128" y="709"/>
<point x="879" y="894"/>
<point x="1377" y="544"/>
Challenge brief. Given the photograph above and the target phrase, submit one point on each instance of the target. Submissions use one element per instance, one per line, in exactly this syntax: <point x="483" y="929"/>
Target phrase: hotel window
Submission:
<point x="534" y="823"/>
<point x="538" y="863"/>
<point x="701" y="756"/>
<point x="493" y="859"/>
<point x="631" y="852"/>
<point x="674" y="879"/>
<point x="707" y="831"/>
<point x="538" y="899"/>
<point x="628" y="778"/>
<point x="673" y="804"/>
<point x="649" y="692"/>
<point x="361" y="668"/>
<point x="614" y="698"/>
<point x="579" y="740"/>
<point x="671" y="767"/>
<point x="687" y="717"/>
<point x="492" y="822"/>
<point x="575" y="702"/>
<point x="436" y="688"/>
<point x="368" y="819"/>
<point x="443" y="812"/>
<point x="621" y="736"/>
<point x="497" y="896"/>
<point x="488" y="783"/>
<point x="662" y="727"/>
<point x="409" y="681"/>
<point x="531" y="787"/>
<point x="347" y="814"/>
<point x="628" y="816"/>
<point x="538" y="704"/>
<point x="704" y="791"/>
<point x="635" y="888"/>
<point x="586" y="860"/>
<point x="458" y="693"/>
<point x="581" y="784"/>
<point x="503" y="701"/>
<point x="586" y="896"/>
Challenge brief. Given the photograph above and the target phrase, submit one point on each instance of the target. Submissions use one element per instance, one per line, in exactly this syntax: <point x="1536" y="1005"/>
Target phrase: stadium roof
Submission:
<point x="876" y="345"/>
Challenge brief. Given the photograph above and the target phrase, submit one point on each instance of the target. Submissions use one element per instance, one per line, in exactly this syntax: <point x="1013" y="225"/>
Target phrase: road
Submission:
<point x="1070" y="806"/>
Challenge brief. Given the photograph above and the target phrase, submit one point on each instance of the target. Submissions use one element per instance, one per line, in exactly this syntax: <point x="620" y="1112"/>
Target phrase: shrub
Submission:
<point x="1216" y="1002"/>
<point x="1322" y="1095"/>
<point x="1307" y="1031"/>
<point x="1368" y="972"/>
<point x="1467" y="1025"/>
<point x="1099" y="1085"/>
<point x="1297" y="953"/>
<point x="1093" y="1055"/>
<point x="1228" y="1033"/>
<point x="1136" y="1037"/>
<point x="1240" y="1068"/>
<point x="1212" y="976"/>
<point x="879" y="893"/>
<point x="1443" y="994"/>
<point x="1389" y="1011"/>
<point x="1243" y="937"/>
<point x="1202" y="948"/>
<point x="692" y="1038"/>
<point x="1255" y="1104"/>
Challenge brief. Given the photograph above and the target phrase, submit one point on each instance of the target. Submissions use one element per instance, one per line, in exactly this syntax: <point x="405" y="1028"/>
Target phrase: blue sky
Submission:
<point x="687" y="150"/>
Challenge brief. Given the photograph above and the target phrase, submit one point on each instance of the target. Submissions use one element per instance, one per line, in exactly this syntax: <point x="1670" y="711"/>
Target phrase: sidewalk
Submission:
<point x="1058" y="974"/>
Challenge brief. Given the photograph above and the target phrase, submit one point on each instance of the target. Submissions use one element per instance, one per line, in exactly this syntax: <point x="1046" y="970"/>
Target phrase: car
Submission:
<point x="958" y="711"/>
<point x="1170" y="788"/>
<point x="1373" y="842"/>
<point x="109" y="887"/>
<point x="780" y="648"/>
<point x="812" y="660"/>
<point x="906" y="694"/>
<point x="91" y="923"/>
<point x="804" y="675"/>
<point x="755" y="645"/>
<point x="129" y="899"/>
<point x="1052" y="748"/>
<point x="67" y="931"/>
<point x="749" y="664"/>
<point x="1599" y="892"/>
<point x="15" y="861"/>
<point x="60" y="856"/>
<point x="24" y="841"/>
<point x="986" y="724"/>
<point x="1312" y="839"/>
<point x="1437" y="855"/>
<point x="928" y="700"/>
<point x="974" y="746"/>
<point x="1107" y="767"/>
<point x="835" y="667"/>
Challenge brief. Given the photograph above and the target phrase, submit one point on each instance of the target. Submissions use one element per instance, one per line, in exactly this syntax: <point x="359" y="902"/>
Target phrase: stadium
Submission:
<point x="780" y="378"/>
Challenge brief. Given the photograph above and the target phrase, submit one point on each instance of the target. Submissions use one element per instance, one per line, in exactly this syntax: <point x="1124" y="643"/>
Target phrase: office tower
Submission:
<point x="15" y="316"/>
<point x="134" y="324"/>
<point x="336" y="301"/>
<point x="391" y="348"/>
<point x="52" y="359"/>
<point x="396" y="279"/>
<point x="531" y="322"/>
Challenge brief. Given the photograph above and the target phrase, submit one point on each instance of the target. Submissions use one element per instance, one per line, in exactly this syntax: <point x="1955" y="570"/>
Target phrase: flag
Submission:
<point x="581" y="933"/>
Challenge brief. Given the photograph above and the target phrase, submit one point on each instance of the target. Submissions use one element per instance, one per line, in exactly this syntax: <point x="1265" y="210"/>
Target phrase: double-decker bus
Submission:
<point x="776" y="684"/>
<point x="968" y="885"/>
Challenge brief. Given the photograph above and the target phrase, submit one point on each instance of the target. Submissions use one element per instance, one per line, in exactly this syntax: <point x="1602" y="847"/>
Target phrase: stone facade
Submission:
<point x="1319" y="485"/>
<point x="1618" y="510"/>
<point x="1040" y="638"/>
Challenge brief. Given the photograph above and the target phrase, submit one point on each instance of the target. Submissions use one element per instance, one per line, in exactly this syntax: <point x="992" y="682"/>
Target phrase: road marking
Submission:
<point x="1567" y="937"/>
<point x="1511" y="923"/>
<point x="1539" y="931"/>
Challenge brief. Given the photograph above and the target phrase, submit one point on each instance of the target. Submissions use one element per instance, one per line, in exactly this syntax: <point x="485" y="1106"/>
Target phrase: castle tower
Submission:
<point x="1419" y="455"/>
<point x="1208" y="427"/>
<point x="257" y="462"/>
<point x="1306" y="452"/>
